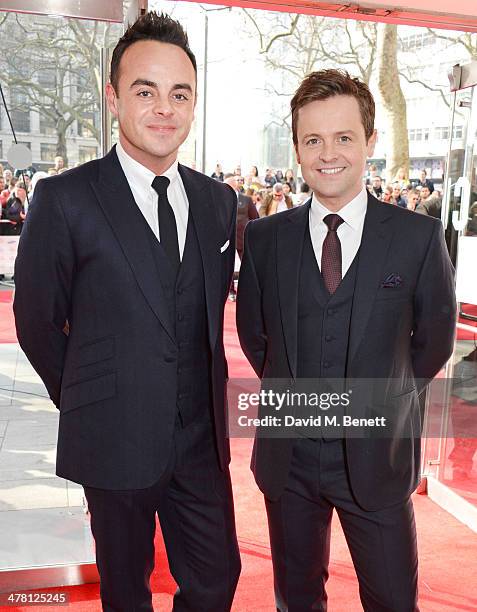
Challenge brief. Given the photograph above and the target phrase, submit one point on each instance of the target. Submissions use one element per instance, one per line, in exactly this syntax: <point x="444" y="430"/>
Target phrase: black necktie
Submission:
<point x="331" y="254"/>
<point x="167" y="221"/>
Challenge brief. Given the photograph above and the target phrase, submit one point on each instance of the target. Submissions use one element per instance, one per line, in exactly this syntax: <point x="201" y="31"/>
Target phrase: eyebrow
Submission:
<point x="340" y="133"/>
<point x="147" y="83"/>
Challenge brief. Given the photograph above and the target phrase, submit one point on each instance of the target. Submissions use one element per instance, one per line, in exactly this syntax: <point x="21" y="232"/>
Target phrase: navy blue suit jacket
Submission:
<point x="403" y="333"/>
<point x="84" y="259"/>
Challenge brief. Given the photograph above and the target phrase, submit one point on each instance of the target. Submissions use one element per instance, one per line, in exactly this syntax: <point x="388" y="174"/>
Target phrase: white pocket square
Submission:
<point x="225" y="246"/>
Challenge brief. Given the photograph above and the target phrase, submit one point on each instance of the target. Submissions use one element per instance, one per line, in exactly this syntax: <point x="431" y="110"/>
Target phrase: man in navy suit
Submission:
<point x="351" y="291"/>
<point x="121" y="279"/>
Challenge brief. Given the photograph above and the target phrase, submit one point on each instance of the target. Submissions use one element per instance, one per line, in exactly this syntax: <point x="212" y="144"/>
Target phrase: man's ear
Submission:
<point x="372" y="143"/>
<point x="112" y="99"/>
<point x="297" y="154"/>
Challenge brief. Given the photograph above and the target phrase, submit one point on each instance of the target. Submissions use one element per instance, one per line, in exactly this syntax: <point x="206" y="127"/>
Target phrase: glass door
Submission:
<point x="450" y="428"/>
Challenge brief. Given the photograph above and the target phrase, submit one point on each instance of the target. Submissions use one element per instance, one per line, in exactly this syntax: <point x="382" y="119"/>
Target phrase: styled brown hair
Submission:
<point x="150" y="26"/>
<point x="325" y="84"/>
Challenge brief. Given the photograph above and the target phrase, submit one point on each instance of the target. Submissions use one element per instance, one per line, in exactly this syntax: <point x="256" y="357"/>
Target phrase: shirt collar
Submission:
<point x="352" y="213"/>
<point x="139" y="175"/>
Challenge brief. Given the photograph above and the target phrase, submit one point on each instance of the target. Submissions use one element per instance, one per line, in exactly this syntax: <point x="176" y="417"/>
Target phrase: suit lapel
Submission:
<point x="200" y="198"/>
<point x="290" y="238"/>
<point x="116" y="200"/>
<point x="375" y="243"/>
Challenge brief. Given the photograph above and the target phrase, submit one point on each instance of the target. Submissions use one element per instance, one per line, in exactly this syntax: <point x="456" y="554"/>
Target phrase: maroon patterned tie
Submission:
<point x="331" y="254"/>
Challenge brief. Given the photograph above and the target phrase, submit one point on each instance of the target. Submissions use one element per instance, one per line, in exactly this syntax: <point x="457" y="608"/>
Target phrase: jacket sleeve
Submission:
<point x="435" y="311"/>
<point x="43" y="281"/>
<point x="250" y="325"/>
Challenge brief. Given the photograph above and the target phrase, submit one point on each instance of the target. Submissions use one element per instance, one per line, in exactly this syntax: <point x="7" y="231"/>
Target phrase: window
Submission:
<point x="20" y="120"/>
<point x="417" y="41"/>
<point x="87" y="154"/>
<point x="47" y="125"/>
<point x="47" y="152"/>
<point x="91" y="117"/>
<point x="1" y="149"/>
<point x="442" y="133"/>
<point x="416" y="134"/>
<point x="20" y="111"/>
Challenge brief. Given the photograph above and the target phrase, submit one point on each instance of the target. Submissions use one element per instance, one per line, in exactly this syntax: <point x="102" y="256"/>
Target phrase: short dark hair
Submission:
<point x="150" y="26"/>
<point x="325" y="84"/>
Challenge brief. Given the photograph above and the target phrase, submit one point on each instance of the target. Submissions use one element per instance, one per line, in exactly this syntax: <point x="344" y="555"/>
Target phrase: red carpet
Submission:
<point x="7" y="325"/>
<point x="448" y="550"/>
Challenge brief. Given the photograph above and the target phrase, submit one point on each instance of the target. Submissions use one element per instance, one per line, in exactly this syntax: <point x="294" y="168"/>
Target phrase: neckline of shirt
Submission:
<point x="138" y="174"/>
<point x="352" y="213"/>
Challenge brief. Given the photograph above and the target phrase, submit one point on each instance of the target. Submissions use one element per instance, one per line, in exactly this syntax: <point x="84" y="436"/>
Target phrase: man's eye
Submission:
<point x="345" y="139"/>
<point x="144" y="93"/>
<point x="312" y="141"/>
<point x="181" y="97"/>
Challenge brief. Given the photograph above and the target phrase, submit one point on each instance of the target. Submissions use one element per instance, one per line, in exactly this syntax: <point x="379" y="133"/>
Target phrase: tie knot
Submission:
<point x="333" y="222"/>
<point x="160" y="185"/>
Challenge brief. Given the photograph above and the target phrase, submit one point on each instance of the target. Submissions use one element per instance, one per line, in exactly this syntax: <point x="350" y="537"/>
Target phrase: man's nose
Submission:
<point x="328" y="152"/>
<point x="163" y="107"/>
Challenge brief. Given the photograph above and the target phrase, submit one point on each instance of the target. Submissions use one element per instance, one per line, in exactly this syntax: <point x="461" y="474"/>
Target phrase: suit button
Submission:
<point x="182" y="395"/>
<point x="169" y="358"/>
<point x="180" y="317"/>
<point x="328" y="338"/>
<point x="327" y="364"/>
<point x="331" y="311"/>
<point x="180" y="291"/>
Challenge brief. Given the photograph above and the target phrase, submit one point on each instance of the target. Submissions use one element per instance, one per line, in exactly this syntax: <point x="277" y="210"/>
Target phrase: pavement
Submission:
<point x="43" y="522"/>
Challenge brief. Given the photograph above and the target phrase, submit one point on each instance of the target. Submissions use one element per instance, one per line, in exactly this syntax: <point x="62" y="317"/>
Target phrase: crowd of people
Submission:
<point x="276" y="190"/>
<point x="16" y="191"/>
<point x="273" y="192"/>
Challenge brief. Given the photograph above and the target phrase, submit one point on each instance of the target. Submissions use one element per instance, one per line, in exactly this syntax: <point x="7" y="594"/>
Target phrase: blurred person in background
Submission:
<point x="35" y="178"/>
<point x="253" y="178"/>
<point x="430" y="203"/>
<point x="275" y="202"/>
<point x="217" y="174"/>
<point x="424" y="181"/>
<point x="401" y="178"/>
<point x="397" y="198"/>
<point x="304" y="195"/>
<point x="376" y="187"/>
<point x="412" y="199"/>
<point x="15" y="210"/>
<point x="290" y="179"/>
<point x="7" y="177"/>
<point x="269" y="179"/>
<point x="388" y="195"/>
<point x="59" y="163"/>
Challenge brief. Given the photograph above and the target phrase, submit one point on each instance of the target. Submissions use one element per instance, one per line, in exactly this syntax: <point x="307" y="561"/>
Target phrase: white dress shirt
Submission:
<point x="140" y="181"/>
<point x="350" y="232"/>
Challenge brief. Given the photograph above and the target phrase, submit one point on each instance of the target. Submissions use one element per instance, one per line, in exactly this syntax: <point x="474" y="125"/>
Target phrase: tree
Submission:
<point x="52" y="66"/>
<point x="394" y="103"/>
<point x="292" y="46"/>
